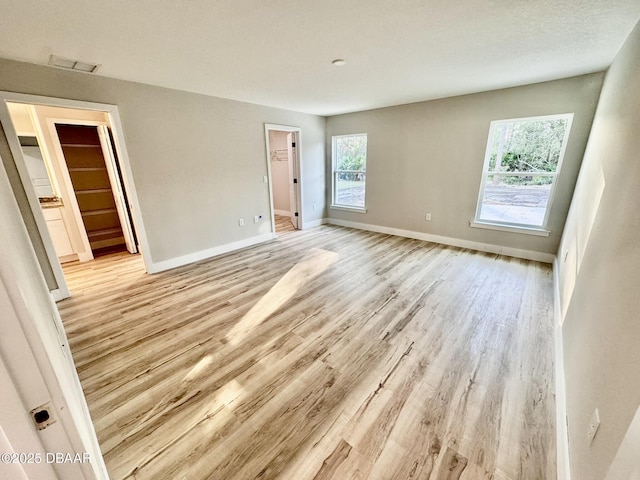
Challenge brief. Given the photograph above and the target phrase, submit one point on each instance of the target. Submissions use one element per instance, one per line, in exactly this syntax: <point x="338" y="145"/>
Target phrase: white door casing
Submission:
<point x="293" y="179"/>
<point x="34" y="204"/>
<point x="116" y="188"/>
<point x="69" y="197"/>
<point x="36" y="360"/>
<point x="297" y="170"/>
<point x="124" y="162"/>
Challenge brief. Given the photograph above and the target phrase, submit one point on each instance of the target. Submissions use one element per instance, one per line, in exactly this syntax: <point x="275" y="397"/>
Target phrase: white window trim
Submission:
<point x="348" y="209"/>
<point x="540" y="230"/>
<point x="340" y="206"/>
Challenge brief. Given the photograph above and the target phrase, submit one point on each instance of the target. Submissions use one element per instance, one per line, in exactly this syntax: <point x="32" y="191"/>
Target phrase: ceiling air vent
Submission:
<point x="71" y="64"/>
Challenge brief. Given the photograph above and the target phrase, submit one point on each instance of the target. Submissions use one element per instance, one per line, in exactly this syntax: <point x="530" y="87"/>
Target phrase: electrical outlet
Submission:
<point x="241" y="222"/>
<point x="594" y="424"/>
<point x="265" y="179"/>
<point x="256" y="218"/>
<point x="427" y="217"/>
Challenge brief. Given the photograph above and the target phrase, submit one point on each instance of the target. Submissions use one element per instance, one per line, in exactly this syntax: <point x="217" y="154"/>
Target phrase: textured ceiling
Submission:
<point x="278" y="53"/>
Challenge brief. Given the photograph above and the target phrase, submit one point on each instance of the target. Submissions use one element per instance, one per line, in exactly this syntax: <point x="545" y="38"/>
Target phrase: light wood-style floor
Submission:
<point x="326" y="354"/>
<point x="283" y="224"/>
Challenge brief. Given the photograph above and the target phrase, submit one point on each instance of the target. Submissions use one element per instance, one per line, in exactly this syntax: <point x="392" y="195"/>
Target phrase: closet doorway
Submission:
<point x="283" y="145"/>
<point x="93" y="170"/>
<point x="74" y="169"/>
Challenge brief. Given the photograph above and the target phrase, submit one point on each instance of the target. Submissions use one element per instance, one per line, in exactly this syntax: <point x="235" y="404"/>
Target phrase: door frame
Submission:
<point x="292" y="156"/>
<point x="58" y="157"/>
<point x="125" y="167"/>
<point x="117" y="190"/>
<point x="35" y="356"/>
<point x="297" y="168"/>
<point x="66" y="177"/>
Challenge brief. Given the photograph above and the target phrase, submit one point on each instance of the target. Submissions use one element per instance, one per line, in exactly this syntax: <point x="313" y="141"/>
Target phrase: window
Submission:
<point x="349" y="153"/>
<point x="522" y="162"/>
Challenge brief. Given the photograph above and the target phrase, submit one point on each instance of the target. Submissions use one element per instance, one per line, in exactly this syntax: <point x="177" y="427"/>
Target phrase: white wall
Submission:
<point x="33" y="343"/>
<point x="198" y="162"/>
<point x="600" y="279"/>
<point x="627" y="464"/>
<point x="279" y="171"/>
<point x="428" y="157"/>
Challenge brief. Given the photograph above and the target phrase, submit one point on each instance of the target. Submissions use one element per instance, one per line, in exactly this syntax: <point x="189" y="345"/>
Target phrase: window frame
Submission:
<point x="334" y="172"/>
<point x="512" y="226"/>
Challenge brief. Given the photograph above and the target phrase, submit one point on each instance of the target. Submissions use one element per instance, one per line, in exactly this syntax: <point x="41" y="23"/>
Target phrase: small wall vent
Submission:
<point x="71" y="64"/>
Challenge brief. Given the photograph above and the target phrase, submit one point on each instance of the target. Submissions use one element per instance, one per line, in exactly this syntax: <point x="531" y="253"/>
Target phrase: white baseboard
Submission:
<point x="156" y="267"/>
<point x="314" y="223"/>
<point x="282" y="213"/>
<point x="58" y="295"/>
<point x="562" y="439"/>
<point x="454" y="242"/>
<point x="68" y="258"/>
<point x="85" y="256"/>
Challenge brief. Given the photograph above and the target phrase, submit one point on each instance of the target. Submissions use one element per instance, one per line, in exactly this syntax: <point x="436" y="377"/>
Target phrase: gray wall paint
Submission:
<point x="197" y="161"/>
<point x="601" y="329"/>
<point x="428" y="157"/>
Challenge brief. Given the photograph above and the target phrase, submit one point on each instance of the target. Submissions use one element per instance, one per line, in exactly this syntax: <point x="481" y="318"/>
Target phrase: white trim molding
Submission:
<point x="314" y="223"/>
<point x="62" y="290"/>
<point x="348" y="209"/>
<point x="540" y="232"/>
<point x="57" y="295"/>
<point x="454" y="242"/>
<point x="486" y="172"/>
<point x="297" y="169"/>
<point x="562" y="433"/>
<point x="157" y="267"/>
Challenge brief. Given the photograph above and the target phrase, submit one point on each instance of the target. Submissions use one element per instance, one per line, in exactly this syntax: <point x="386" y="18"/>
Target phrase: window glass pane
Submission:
<point x="349" y="189"/>
<point x="351" y="152"/>
<point x="516" y="199"/>
<point x="350" y="165"/>
<point x="527" y="146"/>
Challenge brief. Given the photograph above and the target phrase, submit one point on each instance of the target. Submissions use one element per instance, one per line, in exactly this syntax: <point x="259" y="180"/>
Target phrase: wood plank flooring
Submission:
<point x="283" y="224"/>
<point x="329" y="353"/>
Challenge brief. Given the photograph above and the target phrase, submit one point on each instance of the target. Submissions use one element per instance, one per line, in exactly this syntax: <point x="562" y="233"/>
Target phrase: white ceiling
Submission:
<point x="278" y="52"/>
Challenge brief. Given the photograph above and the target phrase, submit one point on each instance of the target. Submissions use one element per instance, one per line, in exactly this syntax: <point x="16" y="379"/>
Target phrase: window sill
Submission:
<point x="349" y="209"/>
<point x="540" y="232"/>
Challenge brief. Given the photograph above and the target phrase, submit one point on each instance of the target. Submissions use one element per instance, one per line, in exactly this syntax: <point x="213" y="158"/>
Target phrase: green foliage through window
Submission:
<point x="351" y="152"/>
<point x="521" y="165"/>
<point x="527" y="146"/>
<point x="349" y="170"/>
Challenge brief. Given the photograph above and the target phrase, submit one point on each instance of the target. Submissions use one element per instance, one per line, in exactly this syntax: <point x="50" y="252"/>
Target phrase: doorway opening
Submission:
<point x="283" y="145"/>
<point x="96" y="181"/>
<point x="70" y="163"/>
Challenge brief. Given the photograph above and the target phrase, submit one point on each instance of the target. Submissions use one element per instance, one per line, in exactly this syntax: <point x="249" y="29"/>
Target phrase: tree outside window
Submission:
<point x="522" y="163"/>
<point x="349" y="170"/>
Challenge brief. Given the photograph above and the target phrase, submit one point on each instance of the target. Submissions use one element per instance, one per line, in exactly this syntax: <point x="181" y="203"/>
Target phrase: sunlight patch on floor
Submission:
<point x="312" y="265"/>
